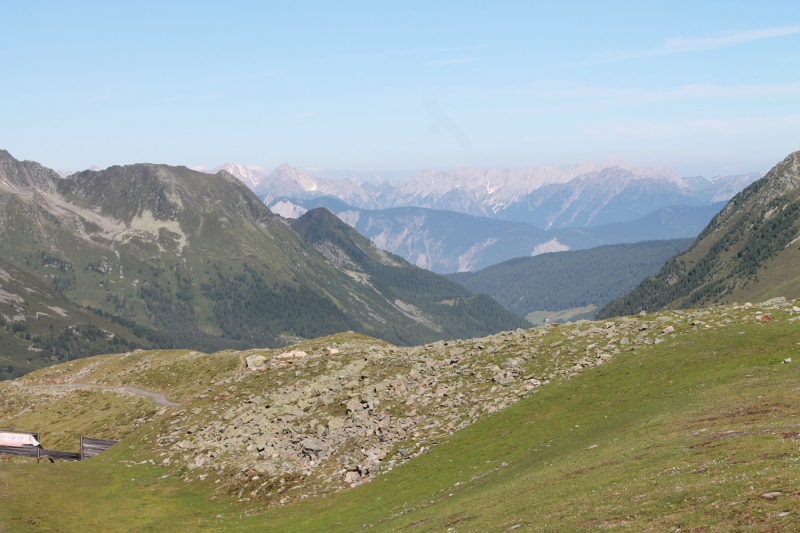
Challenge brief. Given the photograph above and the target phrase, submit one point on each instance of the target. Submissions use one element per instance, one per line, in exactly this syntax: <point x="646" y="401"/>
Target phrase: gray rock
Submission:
<point x="255" y="362"/>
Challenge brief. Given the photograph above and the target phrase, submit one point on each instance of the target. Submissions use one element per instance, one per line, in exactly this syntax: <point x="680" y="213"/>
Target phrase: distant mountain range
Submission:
<point x="249" y="177"/>
<point x="584" y="196"/>
<point x="749" y="251"/>
<point x="446" y="241"/>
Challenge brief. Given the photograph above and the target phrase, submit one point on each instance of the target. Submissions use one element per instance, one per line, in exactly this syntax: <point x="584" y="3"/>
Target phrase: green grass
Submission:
<point x="689" y="434"/>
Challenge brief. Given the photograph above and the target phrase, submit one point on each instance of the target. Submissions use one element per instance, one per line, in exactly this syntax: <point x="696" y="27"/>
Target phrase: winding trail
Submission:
<point x="160" y="399"/>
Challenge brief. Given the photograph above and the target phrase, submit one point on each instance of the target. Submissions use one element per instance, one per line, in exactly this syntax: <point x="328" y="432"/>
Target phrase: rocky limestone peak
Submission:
<point x="248" y="176"/>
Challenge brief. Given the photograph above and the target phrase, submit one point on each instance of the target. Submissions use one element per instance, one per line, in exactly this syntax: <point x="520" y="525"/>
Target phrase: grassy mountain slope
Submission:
<point x="749" y="251"/>
<point x="195" y="258"/>
<point x="428" y="297"/>
<point x="39" y="327"/>
<point x="688" y="429"/>
<point x="568" y="280"/>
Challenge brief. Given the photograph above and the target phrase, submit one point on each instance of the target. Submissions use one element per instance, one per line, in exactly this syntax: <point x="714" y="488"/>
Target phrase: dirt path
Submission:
<point x="160" y="399"/>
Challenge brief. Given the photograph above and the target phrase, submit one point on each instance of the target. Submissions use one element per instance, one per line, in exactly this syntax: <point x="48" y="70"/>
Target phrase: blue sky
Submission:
<point x="395" y="87"/>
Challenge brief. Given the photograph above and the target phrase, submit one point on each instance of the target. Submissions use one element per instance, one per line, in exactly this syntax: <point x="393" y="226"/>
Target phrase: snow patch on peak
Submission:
<point x="550" y="246"/>
<point x="287" y="209"/>
<point x="248" y="176"/>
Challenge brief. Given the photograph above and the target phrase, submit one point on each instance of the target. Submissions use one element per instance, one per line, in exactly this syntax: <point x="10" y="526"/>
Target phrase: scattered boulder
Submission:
<point x="256" y="362"/>
<point x="335" y="424"/>
<point x="313" y="447"/>
<point x="531" y="384"/>
<point x="503" y="378"/>
<point x="669" y="329"/>
<point x="331" y="351"/>
<point x="294" y="354"/>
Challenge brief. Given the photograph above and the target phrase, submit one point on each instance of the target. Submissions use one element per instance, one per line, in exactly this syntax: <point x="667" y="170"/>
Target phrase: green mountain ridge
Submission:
<point x="195" y="259"/>
<point x="749" y="251"/>
<point x="569" y="280"/>
<point x="429" y="297"/>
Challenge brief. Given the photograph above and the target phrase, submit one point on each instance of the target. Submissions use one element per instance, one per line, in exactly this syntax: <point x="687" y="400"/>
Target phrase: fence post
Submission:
<point x="81" y="447"/>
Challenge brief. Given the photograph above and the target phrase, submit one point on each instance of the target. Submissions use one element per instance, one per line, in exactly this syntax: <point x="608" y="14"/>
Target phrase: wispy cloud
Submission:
<point x="718" y="128"/>
<point x="449" y="62"/>
<point x="551" y="98"/>
<point x="680" y="44"/>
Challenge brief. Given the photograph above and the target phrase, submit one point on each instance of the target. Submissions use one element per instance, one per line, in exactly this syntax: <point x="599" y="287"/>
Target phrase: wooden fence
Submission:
<point x="38" y="452"/>
<point x="89" y="448"/>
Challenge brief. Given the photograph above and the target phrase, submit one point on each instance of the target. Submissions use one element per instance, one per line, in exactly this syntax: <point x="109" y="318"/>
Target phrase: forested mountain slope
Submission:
<point x="195" y="258"/>
<point x="426" y="297"/>
<point x="749" y="251"/>
<point x="568" y="280"/>
<point x="40" y="327"/>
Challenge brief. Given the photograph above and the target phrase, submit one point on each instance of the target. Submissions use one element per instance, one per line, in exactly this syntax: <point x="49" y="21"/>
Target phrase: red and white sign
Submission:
<point x="17" y="439"/>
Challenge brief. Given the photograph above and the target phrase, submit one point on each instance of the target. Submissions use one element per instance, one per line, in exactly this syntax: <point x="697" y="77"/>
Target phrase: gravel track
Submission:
<point x="160" y="399"/>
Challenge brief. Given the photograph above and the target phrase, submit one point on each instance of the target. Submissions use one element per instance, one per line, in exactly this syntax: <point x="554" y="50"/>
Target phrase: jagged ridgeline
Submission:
<point x="749" y="251"/>
<point x="194" y="260"/>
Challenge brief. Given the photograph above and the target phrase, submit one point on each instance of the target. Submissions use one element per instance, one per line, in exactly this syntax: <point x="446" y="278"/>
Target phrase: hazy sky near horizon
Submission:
<point x="704" y="87"/>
